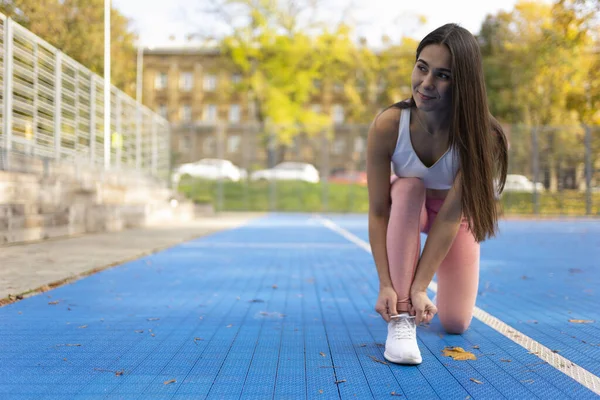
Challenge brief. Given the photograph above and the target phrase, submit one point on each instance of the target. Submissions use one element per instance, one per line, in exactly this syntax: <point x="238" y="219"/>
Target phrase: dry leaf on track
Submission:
<point x="458" y="354"/>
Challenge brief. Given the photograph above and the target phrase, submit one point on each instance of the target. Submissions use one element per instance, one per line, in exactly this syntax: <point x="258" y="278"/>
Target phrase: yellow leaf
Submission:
<point x="458" y="354"/>
<point x="582" y="321"/>
<point x="169" y="382"/>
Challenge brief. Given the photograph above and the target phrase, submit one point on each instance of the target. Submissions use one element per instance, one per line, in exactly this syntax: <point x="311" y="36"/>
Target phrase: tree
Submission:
<point x="76" y="27"/>
<point x="538" y="66"/>
<point x="286" y="65"/>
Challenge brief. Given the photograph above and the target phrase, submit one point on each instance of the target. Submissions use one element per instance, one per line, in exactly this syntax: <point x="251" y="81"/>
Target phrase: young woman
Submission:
<point x="446" y="152"/>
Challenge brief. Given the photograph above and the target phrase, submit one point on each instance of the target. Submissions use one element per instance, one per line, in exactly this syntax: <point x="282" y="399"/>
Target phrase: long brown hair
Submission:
<point x="474" y="132"/>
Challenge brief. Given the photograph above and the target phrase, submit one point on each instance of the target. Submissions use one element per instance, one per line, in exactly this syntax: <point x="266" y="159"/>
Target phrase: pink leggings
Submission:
<point x="457" y="276"/>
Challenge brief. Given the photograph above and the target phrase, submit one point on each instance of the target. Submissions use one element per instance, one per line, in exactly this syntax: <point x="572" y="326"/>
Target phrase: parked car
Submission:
<point x="290" y="171"/>
<point x="520" y="183"/>
<point x="211" y="168"/>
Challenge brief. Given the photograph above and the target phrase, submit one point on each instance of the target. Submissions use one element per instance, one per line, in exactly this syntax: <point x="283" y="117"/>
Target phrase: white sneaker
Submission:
<point x="401" y="345"/>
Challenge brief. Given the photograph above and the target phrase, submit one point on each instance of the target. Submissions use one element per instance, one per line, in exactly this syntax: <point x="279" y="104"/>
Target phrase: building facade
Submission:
<point x="195" y="89"/>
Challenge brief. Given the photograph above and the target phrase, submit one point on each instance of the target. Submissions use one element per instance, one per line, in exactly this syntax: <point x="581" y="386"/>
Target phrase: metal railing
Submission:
<point x="564" y="161"/>
<point x="52" y="111"/>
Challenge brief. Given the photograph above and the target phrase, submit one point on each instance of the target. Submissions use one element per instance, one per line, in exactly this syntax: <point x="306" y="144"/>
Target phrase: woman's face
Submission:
<point x="432" y="78"/>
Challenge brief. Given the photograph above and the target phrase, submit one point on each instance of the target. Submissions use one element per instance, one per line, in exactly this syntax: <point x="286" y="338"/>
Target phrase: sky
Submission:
<point x="167" y="23"/>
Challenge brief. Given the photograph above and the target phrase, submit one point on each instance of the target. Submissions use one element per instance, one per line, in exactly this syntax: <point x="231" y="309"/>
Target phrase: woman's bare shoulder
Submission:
<point x="385" y="126"/>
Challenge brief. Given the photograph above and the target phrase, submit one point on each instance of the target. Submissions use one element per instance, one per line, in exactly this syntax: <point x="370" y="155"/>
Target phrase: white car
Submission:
<point x="520" y="183"/>
<point x="211" y="168"/>
<point x="288" y="171"/>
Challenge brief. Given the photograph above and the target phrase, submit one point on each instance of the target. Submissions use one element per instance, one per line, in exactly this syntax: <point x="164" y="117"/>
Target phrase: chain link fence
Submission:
<point x="52" y="116"/>
<point x="552" y="170"/>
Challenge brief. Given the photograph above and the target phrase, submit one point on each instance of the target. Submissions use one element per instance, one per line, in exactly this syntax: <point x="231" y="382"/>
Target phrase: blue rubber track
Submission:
<point x="282" y="308"/>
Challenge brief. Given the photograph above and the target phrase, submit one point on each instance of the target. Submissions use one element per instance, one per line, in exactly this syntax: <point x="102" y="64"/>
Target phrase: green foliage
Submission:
<point x="76" y="27"/>
<point x="349" y="198"/>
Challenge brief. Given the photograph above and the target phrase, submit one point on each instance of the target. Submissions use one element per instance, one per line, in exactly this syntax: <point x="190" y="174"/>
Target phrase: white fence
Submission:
<point x="52" y="109"/>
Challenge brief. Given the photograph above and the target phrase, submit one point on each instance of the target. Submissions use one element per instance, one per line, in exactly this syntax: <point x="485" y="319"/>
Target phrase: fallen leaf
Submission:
<point x="153" y="319"/>
<point x="575" y="270"/>
<point x="53" y="303"/>
<point x="468" y="397"/>
<point x="197" y="340"/>
<point x="524" y="277"/>
<point x="378" y="360"/>
<point x="320" y="391"/>
<point x="476" y="381"/>
<point x="505" y="360"/>
<point x="340" y="381"/>
<point x="69" y="345"/>
<point x="139" y="331"/>
<point x="458" y="354"/>
<point x="322" y="354"/>
<point x="274" y="286"/>
<point x="237" y="298"/>
<point x="441" y="335"/>
<point x="83" y="326"/>
<point x="528" y="381"/>
<point x="256" y="301"/>
<point x="582" y="321"/>
<point x="64" y="359"/>
<point x="153" y="335"/>
<point x="395" y="394"/>
<point x="556" y="351"/>
<point x="363" y="345"/>
<point x="229" y="326"/>
<point x="476" y="347"/>
<point x="169" y="382"/>
<point x="119" y="373"/>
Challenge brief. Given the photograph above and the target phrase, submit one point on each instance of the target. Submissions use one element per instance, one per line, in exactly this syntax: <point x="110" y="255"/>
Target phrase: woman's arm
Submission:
<point x="440" y="237"/>
<point x="380" y="144"/>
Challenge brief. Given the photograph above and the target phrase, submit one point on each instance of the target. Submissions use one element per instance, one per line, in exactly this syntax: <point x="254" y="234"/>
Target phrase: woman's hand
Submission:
<point x="423" y="308"/>
<point x="386" y="303"/>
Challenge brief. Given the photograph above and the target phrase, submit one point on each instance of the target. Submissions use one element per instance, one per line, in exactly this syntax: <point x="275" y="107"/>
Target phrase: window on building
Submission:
<point x="162" y="111"/>
<point x="210" y="112"/>
<point x="234" y="113"/>
<point x="339" y="145"/>
<point x="233" y="143"/>
<point x="210" y="83"/>
<point x="185" y="143"/>
<point x="186" y="81"/>
<point x="338" y="113"/>
<point x="359" y="144"/>
<point x="236" y="78"/>
<point x="209" y="146"/>
<point x="186" y="113"/>
<point x="160" y="81"/>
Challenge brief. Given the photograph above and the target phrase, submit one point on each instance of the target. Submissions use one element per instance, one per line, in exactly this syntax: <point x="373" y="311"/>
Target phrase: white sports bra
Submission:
<point x="407" y="164"/>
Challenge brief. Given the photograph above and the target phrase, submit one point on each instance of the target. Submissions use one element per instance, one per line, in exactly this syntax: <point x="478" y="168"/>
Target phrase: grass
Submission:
<point x="352" y="198"/>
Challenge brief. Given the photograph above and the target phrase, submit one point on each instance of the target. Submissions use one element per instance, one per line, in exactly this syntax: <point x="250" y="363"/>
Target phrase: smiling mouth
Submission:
<point x="425" y="97"/>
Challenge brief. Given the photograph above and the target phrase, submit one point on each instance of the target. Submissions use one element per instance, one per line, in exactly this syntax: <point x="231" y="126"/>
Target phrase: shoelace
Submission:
<point x="404" y="327"/>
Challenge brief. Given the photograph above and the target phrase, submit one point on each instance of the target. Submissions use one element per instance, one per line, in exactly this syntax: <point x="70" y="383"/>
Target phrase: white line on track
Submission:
<point x="564" y="365"/>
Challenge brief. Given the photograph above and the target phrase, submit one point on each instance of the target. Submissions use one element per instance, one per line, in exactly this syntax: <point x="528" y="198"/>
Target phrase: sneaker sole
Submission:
<point x="401" y="361"/>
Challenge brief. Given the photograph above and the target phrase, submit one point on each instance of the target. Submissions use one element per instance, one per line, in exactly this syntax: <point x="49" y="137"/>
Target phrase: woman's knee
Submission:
<point x="403" y="186"/>
<point x="456" y="325"/>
